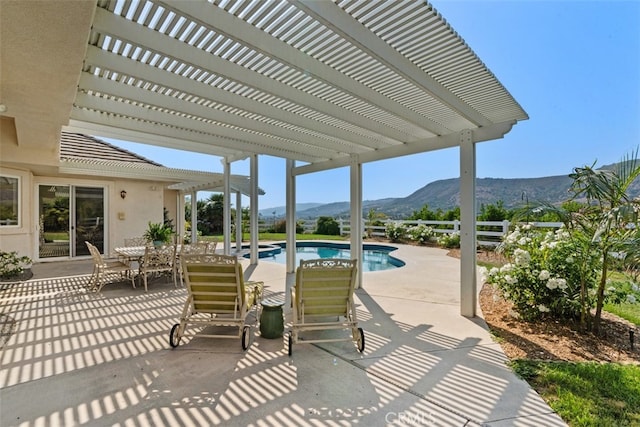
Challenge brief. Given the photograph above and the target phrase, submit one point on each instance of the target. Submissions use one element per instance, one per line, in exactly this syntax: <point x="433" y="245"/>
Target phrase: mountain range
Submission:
<point x="445" y="195"/>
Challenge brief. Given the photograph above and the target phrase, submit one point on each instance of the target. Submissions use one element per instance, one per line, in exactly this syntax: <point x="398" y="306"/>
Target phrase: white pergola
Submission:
<point x="323" y="84"/>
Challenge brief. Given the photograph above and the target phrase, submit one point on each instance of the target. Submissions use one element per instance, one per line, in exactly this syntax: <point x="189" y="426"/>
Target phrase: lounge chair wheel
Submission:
<point x="174" y="337"/>
<point x="290" y="344"/>
<point x="360" y="340"/>
<point x="246" y="337"/>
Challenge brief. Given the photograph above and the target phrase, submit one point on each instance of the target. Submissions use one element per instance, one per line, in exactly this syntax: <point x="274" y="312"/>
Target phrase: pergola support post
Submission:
<point x="356" y="214"/>
<point x="291" y="216"/>
<point x="194" y="216"/>
<point x="468" y="287"/>
<point x="238" y="221"/>
<point x="226" y="209"/>
<point x="179" y="216"/>
<point x="253" y="174"/>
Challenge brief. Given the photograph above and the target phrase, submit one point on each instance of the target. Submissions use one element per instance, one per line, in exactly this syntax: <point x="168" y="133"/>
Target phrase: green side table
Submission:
<point x="272" y="319"/>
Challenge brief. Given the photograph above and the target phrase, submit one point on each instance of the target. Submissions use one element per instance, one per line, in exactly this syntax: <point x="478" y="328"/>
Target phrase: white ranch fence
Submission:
<point x="489" y="233"/>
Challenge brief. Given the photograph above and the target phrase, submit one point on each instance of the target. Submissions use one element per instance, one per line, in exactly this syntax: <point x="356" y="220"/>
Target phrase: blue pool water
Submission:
<point x="375" y="257"/>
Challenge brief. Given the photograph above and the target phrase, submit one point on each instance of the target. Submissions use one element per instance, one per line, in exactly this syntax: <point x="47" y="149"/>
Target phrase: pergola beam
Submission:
<point x="188" y="137"/>
<point x="494" y="131"/>
<point x="254" y="127"/>
<point x="91" y="127"/>
<point x="119" y="27"/>
<point x="334" y="18"/>
<point x="226" y="136"/>
<point x="253" y="37"/>
<point x="143" y="72"/>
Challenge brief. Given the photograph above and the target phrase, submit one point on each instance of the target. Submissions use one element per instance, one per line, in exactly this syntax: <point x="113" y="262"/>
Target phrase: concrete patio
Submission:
<point x="71" y="357"/>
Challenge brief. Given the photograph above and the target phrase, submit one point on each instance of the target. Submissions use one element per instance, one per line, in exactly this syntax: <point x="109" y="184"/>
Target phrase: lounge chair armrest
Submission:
<point x="294" y="306"/>
<point x="254" y="291"/>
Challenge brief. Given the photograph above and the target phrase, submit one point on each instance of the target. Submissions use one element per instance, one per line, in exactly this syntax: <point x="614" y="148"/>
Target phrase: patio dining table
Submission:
<point x="132" y="253"/>
<point x="135" y="253"/>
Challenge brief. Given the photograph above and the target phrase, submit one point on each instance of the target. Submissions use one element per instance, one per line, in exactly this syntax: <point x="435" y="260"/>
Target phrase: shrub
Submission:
<point x="11" y="264"/>
<point x="327" y="226"/>
<point x="395" y="231"/>
<point x="449" y="240"/>
<point x="281" y="227"/>
<point x="420" y="233"/>
<point x="551" y="274"/>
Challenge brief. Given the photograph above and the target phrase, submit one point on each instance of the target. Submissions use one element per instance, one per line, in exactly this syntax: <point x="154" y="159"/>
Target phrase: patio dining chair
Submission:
<point x="197" y="248"/>
<point x="158" y="260"/>
<point x="103" y="270"/>
<point x="217" y="296"/>
<point x="135" y="241"/>
<point x="322" y="300"/>
<point x="132" y="242"/>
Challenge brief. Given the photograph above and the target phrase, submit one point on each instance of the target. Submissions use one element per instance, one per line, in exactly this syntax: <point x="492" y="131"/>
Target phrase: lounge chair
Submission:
<point x="323" y="300"/>
<point x="218" y="296"/>
<point x="197" y="248"/>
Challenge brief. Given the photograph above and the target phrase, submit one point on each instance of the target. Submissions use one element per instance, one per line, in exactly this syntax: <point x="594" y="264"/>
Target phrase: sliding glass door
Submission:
<point x="54" y="236"/>
<point x="68" y="216"/>
<point x="89" y="219"/>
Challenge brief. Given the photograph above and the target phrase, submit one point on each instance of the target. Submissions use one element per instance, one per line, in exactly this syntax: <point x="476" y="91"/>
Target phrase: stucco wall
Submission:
<point x="124" y="218"/>
<point x="143" y="203"/>
<point x="19" y="238"/>
<point x="131" y="215"/>
<point x="11" y="152"/>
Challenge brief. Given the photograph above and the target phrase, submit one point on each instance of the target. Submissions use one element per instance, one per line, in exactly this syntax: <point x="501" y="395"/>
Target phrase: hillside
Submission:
<point x="445" y="195"/>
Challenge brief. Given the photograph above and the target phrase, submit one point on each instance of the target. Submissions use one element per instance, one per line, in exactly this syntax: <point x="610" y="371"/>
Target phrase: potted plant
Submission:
<point x="158" y="233"/>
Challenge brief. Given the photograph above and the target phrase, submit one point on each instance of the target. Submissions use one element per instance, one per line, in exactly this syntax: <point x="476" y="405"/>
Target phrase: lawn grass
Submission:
<point x="586" y="394"/>
<point x="51" y="236"/>
<point x="628" y="311"/>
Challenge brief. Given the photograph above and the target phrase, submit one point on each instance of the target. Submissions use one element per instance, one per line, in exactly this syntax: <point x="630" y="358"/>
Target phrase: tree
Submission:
<point x="603" y="220"/>
<point x="210" y="214"/>
<point x="327" y="226"/>
<point x="424" y="214"/>
<point x="493" y="212"/>
<point x="452" y="214"/>
<point x="603" y="229"/>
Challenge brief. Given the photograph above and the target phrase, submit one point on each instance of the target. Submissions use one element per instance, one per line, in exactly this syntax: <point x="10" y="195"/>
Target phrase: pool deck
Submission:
<point x="72" y="357"/>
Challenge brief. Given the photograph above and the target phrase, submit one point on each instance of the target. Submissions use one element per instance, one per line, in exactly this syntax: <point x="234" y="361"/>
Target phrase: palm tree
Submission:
<point x="605" y="218"/>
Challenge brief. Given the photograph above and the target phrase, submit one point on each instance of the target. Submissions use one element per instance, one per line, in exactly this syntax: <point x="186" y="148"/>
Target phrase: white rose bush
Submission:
<point x="566" y="273"/>
<point x="395" y="231"/>
<point x="544" y="277"/>
<point x="420" y="233"/>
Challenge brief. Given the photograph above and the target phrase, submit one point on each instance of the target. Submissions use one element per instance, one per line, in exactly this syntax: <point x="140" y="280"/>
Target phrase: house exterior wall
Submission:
<point x="124" y="218"/>
<point x="170" y="198"/>
<point x="143" y="203"/>
<point x="18" y="238"/>
<point x="12" y="152"/>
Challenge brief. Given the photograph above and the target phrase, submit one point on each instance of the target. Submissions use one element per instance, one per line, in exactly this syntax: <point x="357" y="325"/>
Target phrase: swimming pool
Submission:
<point x="375" y="257"/>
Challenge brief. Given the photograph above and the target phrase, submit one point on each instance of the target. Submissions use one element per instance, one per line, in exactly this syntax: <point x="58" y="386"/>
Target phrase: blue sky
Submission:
<point x="574" y="66"/>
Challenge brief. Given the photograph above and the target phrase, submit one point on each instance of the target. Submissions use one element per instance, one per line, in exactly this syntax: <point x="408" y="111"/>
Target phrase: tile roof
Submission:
<point x="79" y="146"/>
<point x="87" y="155"/>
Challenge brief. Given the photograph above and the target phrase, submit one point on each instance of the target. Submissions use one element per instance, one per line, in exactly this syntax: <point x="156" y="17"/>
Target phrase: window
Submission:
<point x="9" y="200"/>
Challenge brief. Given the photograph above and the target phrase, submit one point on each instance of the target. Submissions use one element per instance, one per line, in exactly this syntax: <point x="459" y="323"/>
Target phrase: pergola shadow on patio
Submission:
<point x="75" y="357"/>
